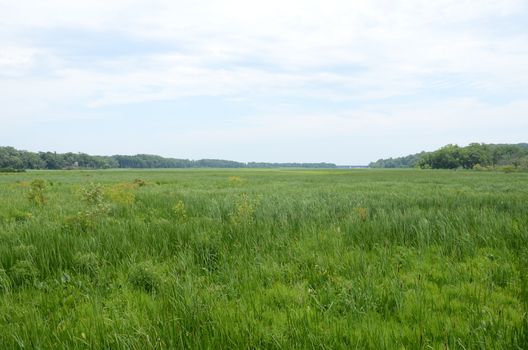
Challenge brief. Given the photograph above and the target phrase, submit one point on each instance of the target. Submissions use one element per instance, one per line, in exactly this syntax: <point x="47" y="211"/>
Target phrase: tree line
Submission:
<point x="12" y="159"/>
<point x="473" y="156"/>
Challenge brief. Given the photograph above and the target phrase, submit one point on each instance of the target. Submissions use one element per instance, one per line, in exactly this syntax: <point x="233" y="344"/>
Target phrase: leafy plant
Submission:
<point x="36" y="192"/>
<point x="180" y="211"/>
<point x="244" y="211"/>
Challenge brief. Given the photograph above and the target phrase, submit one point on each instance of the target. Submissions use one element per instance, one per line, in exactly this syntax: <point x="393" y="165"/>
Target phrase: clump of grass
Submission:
<point x="140" y="182"/>
<point x="25" y="252"/>
<point x="23" y="273"/>
<point x="363" y="213"/>
<point x="86" y="263"/>
<point x="20" y="216"/>
<point x="180" y="211"/>
<point x="36" y="192"/>
<point x="207" y="251"/>
<point x="235" y="180"/>
<point x="143" y="276"/>
<point x="5" y="282"/>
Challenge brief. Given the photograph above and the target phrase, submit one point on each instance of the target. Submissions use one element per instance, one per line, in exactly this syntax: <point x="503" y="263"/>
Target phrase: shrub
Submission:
<point x="144" y="277"/>
<point x="479" y="167"/>
<point x="97" y="208"/>
<point x="12" y="170"/>
<point x="92" y="194"/>
<point x="508" y="169"/>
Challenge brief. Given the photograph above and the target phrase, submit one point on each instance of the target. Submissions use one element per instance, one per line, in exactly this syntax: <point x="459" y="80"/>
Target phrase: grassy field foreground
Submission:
<point x="213" y="259"/>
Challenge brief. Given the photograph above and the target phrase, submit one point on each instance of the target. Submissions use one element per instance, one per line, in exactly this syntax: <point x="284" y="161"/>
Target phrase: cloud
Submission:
<point x="363" y="65"/>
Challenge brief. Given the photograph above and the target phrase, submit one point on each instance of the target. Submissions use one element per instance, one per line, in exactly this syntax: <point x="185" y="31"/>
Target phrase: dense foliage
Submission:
<point x="267" y="259"/>
<point x="476" y="155"/>
<point x="410" y="161"/>
<point x="13" y="159"/>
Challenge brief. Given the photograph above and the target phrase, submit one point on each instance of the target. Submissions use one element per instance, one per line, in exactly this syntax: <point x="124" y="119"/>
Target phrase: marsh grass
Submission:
<point x="281" y="259"/>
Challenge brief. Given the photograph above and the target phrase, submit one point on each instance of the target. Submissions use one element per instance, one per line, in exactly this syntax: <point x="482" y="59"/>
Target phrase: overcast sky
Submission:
<point x="278" y="80"/>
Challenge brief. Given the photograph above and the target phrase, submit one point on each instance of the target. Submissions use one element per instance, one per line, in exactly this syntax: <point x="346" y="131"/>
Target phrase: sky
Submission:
<point x="342" y="81"/>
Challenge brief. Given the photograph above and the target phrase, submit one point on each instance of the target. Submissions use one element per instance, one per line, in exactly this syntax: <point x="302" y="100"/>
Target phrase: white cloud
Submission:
<point x="361" y="52"/>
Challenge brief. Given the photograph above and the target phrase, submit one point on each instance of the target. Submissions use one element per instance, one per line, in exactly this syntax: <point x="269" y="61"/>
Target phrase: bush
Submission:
<point x="508" y="169"/>
<point x="12" y="170"/>
<point x="479" y="167"/>
<point x="92" y="194"/>
<point x="144" y="277"/>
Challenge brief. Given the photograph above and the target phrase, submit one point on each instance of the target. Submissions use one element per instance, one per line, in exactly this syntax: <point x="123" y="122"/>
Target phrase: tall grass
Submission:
<point x="278" y="259"/>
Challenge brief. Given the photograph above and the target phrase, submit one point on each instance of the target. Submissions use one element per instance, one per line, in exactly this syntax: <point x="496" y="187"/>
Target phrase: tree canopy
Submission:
<point x="472" y="156"/>
<point x="13" y="159"/>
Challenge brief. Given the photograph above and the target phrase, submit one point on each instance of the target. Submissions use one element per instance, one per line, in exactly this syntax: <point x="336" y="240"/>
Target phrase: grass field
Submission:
<point x="210" y="259"/>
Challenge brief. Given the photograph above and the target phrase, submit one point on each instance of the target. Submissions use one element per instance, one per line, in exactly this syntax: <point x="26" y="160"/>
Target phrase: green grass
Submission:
<point x="281" y="259"/>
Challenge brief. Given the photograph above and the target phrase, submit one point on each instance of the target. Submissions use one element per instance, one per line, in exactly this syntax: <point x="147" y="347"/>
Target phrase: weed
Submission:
<point x="36" y="192"/>
<point x="362" y="213"/>
<point x="92" y="194"/>
<point x="180" y="211"/>
<point x="123" y="193"/>
<point x="96" y="208"/>
<point x="244" y="211"/>
<point x="235" y="180"/>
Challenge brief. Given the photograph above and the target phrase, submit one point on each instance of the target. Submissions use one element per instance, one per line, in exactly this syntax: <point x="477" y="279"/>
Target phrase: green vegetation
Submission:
<point x="12" y="160"/>
<point x="475" y="156"/>
<point x="280" y="259"/>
